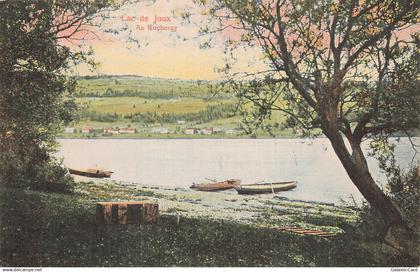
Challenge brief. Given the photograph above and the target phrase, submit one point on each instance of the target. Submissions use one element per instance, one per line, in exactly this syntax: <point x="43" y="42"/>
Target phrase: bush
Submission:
<point x="12" y="170"/>
<point x="52" y="177"/>
<point x="30" y="166"/>
<point x="404" y="190"/>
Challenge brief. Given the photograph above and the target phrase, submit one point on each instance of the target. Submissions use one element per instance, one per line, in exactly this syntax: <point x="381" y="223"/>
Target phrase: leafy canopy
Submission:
<point x="36" y="38"/>
<point x="354" y="60"/>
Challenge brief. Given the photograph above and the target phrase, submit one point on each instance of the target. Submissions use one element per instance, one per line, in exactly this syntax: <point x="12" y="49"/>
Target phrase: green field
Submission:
<point x="150" y="104"/>
<point x="130" y="105"/>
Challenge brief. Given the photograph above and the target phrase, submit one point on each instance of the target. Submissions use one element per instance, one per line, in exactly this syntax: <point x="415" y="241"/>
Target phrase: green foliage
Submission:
<point x="36" y="95"/>
<point x="404" y="190"/>
<point x="212" y="112"/>
<point x="31" y="167"/>
<point x="352" y="64"/>
<point x="100" y="117"/>
<point x="52" y="177"/>
<point x="369" y="234"/>
<point x="339" y="67"/>
<point x="12" y="168"/>
<point x="403" y="185"/>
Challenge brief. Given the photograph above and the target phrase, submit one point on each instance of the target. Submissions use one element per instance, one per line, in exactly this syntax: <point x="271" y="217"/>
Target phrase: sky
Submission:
<point x="169" y="52"/>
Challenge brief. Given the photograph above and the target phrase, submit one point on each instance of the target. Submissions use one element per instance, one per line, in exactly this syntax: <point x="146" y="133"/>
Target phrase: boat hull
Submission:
<point x="216" y="186"/>
<point x="92" y="173"/>
<point x="266" y="188"/>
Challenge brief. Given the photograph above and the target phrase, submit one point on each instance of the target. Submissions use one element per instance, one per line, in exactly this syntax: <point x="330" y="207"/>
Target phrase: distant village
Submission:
<point x="109" y="131"/>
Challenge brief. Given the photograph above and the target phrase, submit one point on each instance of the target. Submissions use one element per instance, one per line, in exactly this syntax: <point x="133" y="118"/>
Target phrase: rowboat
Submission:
<point x="216" y="186"/>
<point x="265" y="187"/>
<point x="91" y="172"/>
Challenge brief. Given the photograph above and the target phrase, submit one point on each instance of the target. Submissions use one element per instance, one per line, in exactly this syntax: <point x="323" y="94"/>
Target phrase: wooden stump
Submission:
<point x="133" y="212"/>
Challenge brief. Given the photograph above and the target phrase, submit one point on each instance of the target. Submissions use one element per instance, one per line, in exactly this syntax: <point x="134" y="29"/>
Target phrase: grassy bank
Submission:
<point x="222" y="229"/>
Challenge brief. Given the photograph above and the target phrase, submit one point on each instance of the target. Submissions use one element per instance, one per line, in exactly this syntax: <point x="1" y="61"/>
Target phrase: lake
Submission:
<point x="180" y="162"/>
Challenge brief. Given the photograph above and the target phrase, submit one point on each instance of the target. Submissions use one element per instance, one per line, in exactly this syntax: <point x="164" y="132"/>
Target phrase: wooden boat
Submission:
<point x="265" y="187"/>
<point x="91" y="172"/>
<point x="216" y="186"/>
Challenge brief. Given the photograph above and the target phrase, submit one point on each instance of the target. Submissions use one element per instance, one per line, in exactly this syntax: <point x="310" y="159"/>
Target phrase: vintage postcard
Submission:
<point x="226" y="133"/>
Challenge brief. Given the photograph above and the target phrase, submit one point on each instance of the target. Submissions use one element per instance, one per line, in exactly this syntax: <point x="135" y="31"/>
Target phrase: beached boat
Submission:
<point x="265" y="187"/>
<point x="216" y="186"/>
<point x="91" y="172"/>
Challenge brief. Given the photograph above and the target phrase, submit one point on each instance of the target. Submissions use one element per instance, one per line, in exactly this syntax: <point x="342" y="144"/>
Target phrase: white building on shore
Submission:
<point x="160" y="130"/>
<point x="206" y="131"/>
<point x="69" y="130"/>
<point x="190" y="131"/>
<point x="128" y="130"/>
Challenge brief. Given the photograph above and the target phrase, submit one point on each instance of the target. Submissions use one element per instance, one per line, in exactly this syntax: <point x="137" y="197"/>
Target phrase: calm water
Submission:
<point x="180" y="162"/>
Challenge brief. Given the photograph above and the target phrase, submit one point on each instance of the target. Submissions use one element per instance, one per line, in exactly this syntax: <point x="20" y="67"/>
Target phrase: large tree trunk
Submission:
<point x="357" y="169"/>
<point x="396" y="234"/>
<point x="355" y="164"/>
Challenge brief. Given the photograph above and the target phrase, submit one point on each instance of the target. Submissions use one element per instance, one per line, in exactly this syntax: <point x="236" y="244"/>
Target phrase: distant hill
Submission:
<point x="154" y="105"/>
<point x="139" y="86"/>
<point x="128" y="77"/>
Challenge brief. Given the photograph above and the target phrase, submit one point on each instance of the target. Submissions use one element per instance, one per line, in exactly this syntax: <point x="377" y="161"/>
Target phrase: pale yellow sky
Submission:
<point x="162" y="53"/>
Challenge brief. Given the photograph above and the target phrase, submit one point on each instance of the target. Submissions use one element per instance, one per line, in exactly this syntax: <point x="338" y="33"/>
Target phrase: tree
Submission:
<point x="339" y="67"/>
<point x="35" y="97"/>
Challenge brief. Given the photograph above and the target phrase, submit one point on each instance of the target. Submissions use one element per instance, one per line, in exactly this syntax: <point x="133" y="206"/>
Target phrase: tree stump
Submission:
<point x="133" y="212"/>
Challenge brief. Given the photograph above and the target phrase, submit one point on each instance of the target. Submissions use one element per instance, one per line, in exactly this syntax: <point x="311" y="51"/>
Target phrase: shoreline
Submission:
<point x="67" y="233"/>
<point x="204" y="229"/>
<point x="186" y="138"/>
<point x="263" y="211"/>
<point x="204" y="137"/>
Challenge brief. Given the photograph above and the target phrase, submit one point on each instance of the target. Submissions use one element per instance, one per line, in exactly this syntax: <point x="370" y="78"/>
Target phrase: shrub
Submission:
<point x="404" y="190"/>
<point x="52" y="177"/>
<point x="32" y="167"/>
